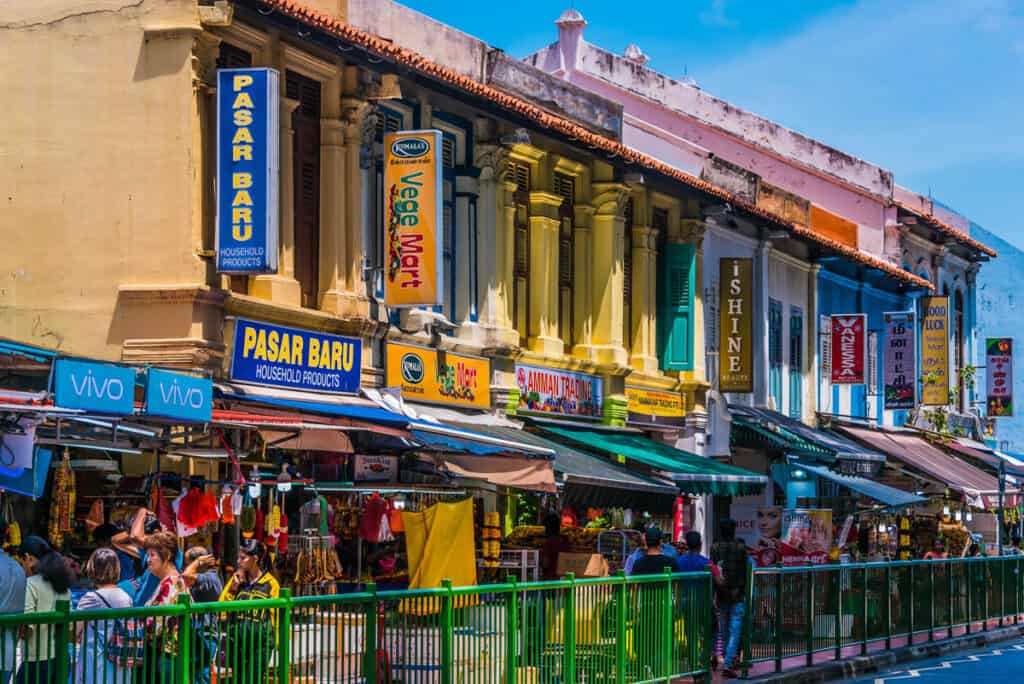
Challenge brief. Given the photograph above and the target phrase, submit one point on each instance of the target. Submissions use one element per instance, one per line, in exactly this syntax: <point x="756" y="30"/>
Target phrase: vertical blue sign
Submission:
<point x="94" y="387"/>
<point x="176" y="395"/>
<point x="247" y="170"/>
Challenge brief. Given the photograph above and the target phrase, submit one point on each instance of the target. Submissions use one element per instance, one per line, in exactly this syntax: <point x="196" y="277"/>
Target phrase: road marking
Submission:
<point x="915" y="673"/>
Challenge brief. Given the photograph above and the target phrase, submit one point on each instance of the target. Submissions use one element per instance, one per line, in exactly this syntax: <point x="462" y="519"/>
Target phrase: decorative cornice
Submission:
<point x="610" y="198"/>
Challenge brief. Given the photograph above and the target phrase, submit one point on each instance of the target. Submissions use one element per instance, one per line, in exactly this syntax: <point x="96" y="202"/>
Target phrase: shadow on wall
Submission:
<point x="162" y="52"/>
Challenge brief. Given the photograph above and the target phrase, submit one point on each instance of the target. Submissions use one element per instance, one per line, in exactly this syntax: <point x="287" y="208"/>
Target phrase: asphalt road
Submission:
<point x="1002" y="663"/>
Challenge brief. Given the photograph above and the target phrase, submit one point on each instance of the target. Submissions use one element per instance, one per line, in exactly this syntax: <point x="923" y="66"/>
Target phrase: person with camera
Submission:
<point x="205" y="586"/>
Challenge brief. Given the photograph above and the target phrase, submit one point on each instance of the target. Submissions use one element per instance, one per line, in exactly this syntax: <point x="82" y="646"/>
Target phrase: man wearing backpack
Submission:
<point x="731" y="556"/>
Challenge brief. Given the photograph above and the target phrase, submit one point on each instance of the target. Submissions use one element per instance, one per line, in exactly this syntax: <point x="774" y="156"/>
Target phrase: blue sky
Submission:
<point x="931" y="89"/>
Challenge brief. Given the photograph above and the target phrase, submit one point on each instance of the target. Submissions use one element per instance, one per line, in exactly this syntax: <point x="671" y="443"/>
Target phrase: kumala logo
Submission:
<point x="410" y="148"/>
<point x="412" y="369"/>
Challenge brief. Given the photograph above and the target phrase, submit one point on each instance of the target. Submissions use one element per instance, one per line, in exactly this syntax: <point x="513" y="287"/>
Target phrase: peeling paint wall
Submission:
<point x="97" y="166"/>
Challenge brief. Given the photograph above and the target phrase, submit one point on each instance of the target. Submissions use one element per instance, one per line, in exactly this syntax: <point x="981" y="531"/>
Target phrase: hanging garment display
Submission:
<point x="62" y="508"/>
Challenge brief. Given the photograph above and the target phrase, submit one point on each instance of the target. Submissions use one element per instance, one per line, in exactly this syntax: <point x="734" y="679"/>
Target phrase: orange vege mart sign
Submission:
<point x="413" y="222"/>
<point x="439" y="377"/>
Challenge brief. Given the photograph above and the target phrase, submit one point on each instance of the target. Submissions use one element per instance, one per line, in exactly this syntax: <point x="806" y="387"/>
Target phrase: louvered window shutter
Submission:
<point x="676" y="315"/>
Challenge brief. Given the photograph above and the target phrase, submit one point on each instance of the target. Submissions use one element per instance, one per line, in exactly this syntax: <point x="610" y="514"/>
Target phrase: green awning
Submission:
<point x="890" y="496"/>
<point x="753" y="435"/>
<point x="692" y="473"/>
<point x="578" y="468"/>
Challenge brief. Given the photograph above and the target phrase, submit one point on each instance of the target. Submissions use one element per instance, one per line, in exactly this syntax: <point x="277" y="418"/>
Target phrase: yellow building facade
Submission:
<point x="551" y="254"/>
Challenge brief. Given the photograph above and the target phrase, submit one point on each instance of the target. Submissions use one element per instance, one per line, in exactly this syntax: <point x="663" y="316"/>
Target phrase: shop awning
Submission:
<point x="762" y="428"/>
<point x="980" y="488"/>
<point x="428" y="435"/>
<point x="884" y="494"/>
<point x="692" y="473"/>
<point x="990" y="457"/>
<point x="575" y="467"/>
<point x="516" y="472"/>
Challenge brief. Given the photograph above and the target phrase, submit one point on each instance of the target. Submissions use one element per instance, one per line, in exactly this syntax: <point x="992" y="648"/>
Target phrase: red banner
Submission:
<point x="849" y="349"/>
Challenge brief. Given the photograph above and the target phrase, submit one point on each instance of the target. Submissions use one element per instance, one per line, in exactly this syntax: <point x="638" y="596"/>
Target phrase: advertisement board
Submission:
<point x="178" y="395"/>
<point x="558" y="392"/>
<point x="806" y="536"/>
<point x="736" y="325"/>
<point x="248" y="182"/>
<point x="413" y="220"/>
<point x="935" y="351"/>
<point x="999" y="377"/>
<point x="374" y="468"/>
<point x="276" y="356"/>
<point x="440" y="377"/>
<point x="655" y="407"/>
<point x="849" y="348"/>
<point x="898" y="360"/>
<point x="90" y="386"/>
<point x="760" y="528"/>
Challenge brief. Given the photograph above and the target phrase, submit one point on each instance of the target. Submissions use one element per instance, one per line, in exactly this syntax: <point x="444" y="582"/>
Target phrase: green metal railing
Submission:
<point x="799" y="613"/>
<point x="615" y="630"/>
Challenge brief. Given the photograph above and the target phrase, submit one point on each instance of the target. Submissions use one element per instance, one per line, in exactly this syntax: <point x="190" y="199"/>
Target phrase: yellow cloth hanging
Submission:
<point x="440" y="545"/>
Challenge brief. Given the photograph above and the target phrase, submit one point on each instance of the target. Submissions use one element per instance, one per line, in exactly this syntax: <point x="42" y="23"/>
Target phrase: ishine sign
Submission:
<point x="849" y="349"/>
<point x="413" y="220"/>
<point x="736" y="325"/>
<point x="272" y="355"/>
<point x="247" y="170"/>
<point x="99" y="387"/>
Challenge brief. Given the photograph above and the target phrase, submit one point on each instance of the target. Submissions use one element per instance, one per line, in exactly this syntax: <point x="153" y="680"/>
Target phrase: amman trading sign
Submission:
<point x="413" y="221"/>
<point x="736" y="325"/>
<point x="849" y="349"/>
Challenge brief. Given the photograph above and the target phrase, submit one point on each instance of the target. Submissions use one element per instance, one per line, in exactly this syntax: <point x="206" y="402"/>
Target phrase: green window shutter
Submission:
<point x="676" y="304"/>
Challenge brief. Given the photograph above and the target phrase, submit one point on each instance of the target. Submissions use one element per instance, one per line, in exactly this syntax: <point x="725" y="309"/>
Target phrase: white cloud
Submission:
<point x="715" y="14"/>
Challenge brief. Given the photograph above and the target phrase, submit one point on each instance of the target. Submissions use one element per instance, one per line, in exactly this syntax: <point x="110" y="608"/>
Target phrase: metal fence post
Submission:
<point x="183" y="658"/>
<point x="511" y="630"/>
<point x="810" y="616"/>
<point x="62" y="642"/>
<point x="911" y="602"/>
<point x="669" y="636"/>
<point x="778" y="621"/>
<point x="1016" y="590"/>
<point x="621" y="594"/>
<point x="569" y="631"/>
<point x="1002" y="590"/>
<point x="447" y="632"/>
<point x="970" y="593"/>
<point x="839" y="613"/>
<point x="748" y="622"/>
<point x="864" y="612"/>
<point x="931" y="600"/>
<point x="370" y="637"/>
<point x="986" y="576"/>
<point x="888" y="606"/>
<point x="284" y="639"/>
<point x="949" y="599"/>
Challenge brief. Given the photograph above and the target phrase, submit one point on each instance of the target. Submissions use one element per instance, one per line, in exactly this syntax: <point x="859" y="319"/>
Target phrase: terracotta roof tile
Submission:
<point x="567" y="128"/>
<point x="944" y="227"/>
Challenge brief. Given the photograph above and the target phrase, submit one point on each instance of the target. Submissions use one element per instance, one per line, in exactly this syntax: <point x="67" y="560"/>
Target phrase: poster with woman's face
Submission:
<point x="759" y="527"/>
<point x="806" y="536"/>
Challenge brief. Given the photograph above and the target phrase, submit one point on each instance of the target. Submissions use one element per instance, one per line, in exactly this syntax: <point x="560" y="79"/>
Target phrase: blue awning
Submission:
<point x="884" y="494"/>
<point x="430" y="436"/>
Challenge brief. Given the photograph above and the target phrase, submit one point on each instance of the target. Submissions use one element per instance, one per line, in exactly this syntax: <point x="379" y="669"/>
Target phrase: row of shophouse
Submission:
<point x="632" y="270"/>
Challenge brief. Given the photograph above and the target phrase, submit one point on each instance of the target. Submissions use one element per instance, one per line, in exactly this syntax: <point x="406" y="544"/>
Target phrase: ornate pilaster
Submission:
<point x="609" y="201"/>
<point x="544" y="227"/>
<point x="643" y="355"/>
<point x="583" y="273"/>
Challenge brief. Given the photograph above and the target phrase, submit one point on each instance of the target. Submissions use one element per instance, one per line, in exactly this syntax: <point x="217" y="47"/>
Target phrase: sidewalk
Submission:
<point x="858" y="666"/>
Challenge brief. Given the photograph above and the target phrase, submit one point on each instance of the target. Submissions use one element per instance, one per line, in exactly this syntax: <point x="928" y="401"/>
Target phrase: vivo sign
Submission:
<point x="94" y="387"/>
<point x="175" y="395"/>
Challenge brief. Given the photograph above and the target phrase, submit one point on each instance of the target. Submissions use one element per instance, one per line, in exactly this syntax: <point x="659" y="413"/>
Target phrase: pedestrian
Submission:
<point x="12" y="602"/>
<point x="693" y="561"/>
<point x="555" y="543"/>
<point x="48" y="581"/>
<point x="251" y="634"/>
<point x="205" y="586"/>
<point x="731" y="556"/>
<point x="653" y="562"/>
<point x="1015" y="549"/>
<point x="938" y="551"/>
<point x="161" y="550"/>
<point x="92" y="665"/>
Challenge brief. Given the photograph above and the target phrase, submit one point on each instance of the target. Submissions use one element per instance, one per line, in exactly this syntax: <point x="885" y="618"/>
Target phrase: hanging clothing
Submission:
<point x="180" y="527"/>
<point x="395" y="520"/>
<point x="374" y="509"/>
<point x="197" y="509"/>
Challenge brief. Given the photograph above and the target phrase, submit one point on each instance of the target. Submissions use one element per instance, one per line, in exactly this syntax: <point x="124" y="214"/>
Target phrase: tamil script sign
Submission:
<point x="935" y="351"/>
<point x="99" y="387"/>
<point x="849" y="348"/>
<point x="272" y="355"/>
<point x="413" y="220"/>
<point x="655" y="407"/>
<point x="999" y="377"/>
<point x="558" y="392"/>
<point x="439" y="376"/>
<point x="736" y="325"/>
<point x="898" y="360"/>
<point x="177" y="395"/>
<point x="248" y="104"/>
